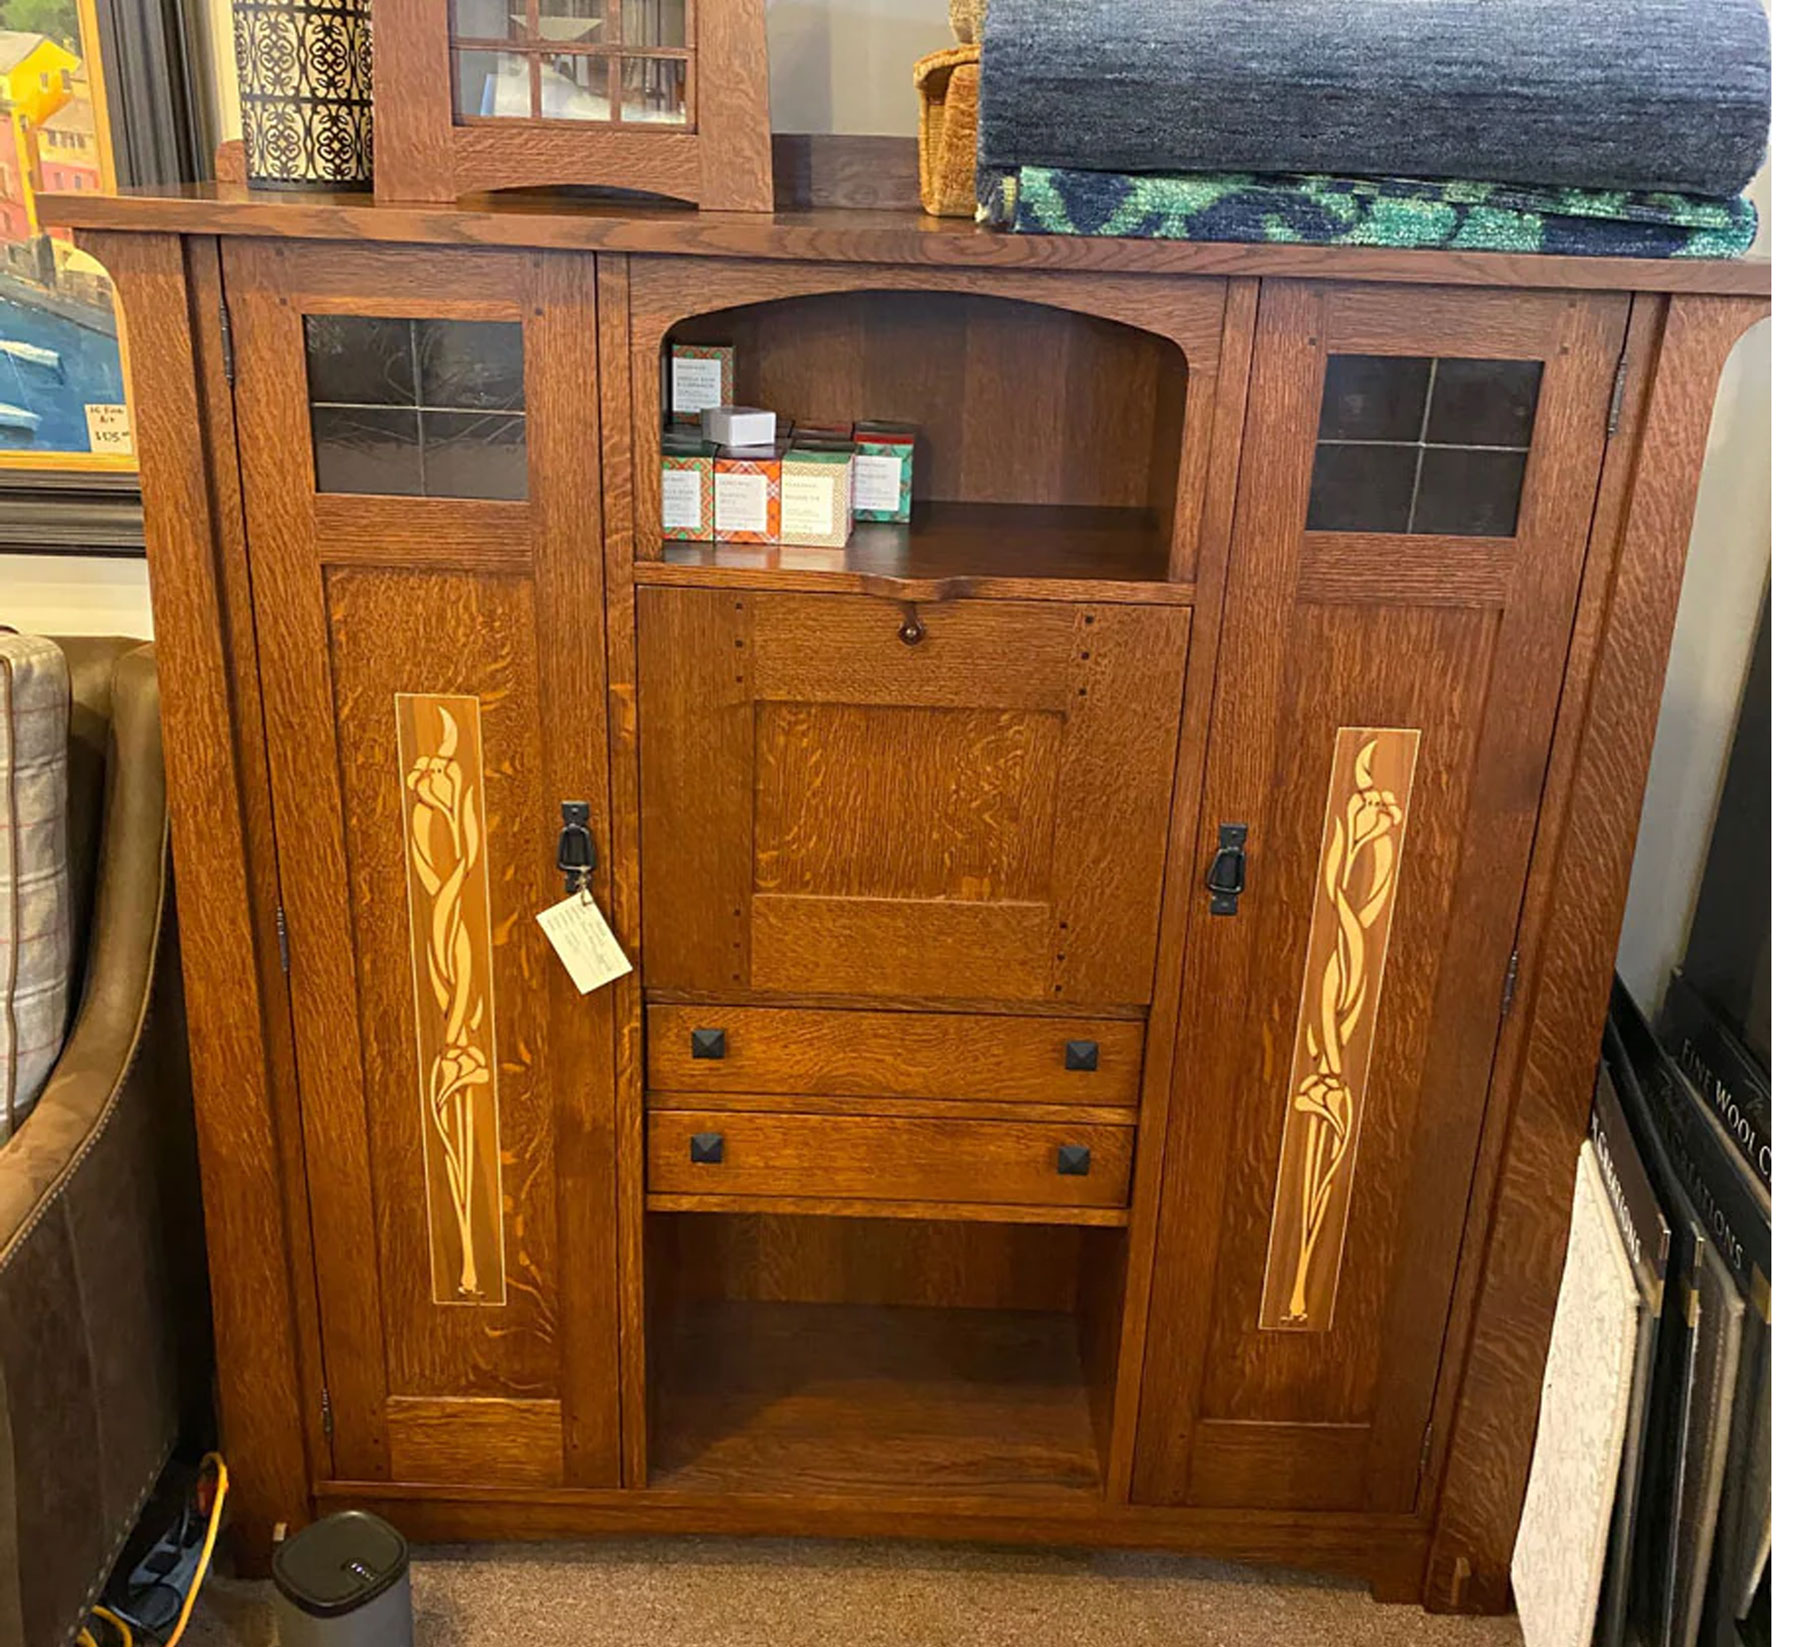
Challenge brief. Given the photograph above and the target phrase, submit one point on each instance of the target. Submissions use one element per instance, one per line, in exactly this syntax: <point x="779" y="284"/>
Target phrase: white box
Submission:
<point x="737" y="426"/>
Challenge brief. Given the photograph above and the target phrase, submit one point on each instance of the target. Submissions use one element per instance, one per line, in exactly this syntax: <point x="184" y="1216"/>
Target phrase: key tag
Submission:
<point x="583" y="942"/>
<point x="577" y="931"/>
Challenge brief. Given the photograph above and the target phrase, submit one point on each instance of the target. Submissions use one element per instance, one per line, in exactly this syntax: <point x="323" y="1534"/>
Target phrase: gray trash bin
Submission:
<point x="344" y="1582"/>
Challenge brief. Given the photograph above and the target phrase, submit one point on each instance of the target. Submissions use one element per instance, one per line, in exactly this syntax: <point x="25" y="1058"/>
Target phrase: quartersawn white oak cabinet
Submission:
<point x="1117" y="962"/>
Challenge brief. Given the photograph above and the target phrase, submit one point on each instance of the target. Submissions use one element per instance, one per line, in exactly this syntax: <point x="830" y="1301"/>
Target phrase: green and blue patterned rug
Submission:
<point x="1314" y="209"/>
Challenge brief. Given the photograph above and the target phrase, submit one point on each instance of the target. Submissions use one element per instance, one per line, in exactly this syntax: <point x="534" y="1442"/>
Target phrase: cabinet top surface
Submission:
<point x="842" y="235"/>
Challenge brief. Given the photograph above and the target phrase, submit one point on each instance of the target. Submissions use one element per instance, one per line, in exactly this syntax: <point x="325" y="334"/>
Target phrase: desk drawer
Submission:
<point x="948" y="1055"/>
<point x="869" y="1158"/>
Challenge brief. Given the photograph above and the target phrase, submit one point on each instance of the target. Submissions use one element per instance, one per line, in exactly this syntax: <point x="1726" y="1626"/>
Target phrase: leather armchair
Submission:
<point x="103" y="1328"/>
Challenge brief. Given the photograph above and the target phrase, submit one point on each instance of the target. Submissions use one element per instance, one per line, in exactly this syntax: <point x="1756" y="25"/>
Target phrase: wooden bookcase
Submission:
<point x="981" y="1148"/>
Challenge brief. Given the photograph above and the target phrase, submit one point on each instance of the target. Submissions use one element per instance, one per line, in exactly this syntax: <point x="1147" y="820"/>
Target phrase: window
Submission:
<point x="420" y="408"/>
<point x="624" y="62"/>
<point x="1416" y="444"/>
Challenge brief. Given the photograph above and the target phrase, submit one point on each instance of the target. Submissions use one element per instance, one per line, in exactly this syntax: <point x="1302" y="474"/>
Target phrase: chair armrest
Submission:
<point x="128" y="910"/>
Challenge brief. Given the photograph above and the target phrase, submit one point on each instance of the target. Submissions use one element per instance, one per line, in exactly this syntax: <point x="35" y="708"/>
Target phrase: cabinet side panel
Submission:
<point x="200" y="657"/>
<point x="1575" y="904"/>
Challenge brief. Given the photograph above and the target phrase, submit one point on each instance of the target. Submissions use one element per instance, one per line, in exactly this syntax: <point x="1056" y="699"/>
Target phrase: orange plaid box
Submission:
<point x="747" y="494"/>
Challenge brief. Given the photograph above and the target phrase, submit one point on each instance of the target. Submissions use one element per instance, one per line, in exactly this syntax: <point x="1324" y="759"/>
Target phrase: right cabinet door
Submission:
<point x="1417" y="481"/>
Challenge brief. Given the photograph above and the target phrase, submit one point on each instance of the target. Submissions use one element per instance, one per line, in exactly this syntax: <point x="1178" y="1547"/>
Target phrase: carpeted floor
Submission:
<point x="691" y="1592"/>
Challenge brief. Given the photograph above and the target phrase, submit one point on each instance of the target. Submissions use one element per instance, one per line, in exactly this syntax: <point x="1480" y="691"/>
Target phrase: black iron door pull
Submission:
<point x="575" y="847"/>
<point x="1225" y="880"/>
<point x="706" y="1149"/>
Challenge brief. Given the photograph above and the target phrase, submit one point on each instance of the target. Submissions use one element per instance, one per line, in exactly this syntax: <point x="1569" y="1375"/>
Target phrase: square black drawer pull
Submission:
<point x="1073" y="1160"/>
<point x="707" y="1043"/>
<point x="1081" y="1054"/>
<point x="708" y="1148"/>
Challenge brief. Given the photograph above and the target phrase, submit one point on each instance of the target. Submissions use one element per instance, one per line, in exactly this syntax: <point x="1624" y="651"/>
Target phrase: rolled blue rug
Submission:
<point x="1648" y="95"/>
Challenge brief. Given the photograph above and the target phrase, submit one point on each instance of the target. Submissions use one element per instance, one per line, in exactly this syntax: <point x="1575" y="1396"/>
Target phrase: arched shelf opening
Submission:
<point x="1050" y="439"/>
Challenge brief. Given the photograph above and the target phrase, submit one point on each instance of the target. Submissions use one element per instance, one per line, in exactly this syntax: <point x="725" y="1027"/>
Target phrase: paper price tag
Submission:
<point x="583" y="942"/>
<point x="109" y="427"/>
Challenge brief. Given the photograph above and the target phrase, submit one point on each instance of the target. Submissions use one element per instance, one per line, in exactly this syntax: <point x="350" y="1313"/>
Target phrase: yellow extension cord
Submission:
<point x="126" y="1639"/>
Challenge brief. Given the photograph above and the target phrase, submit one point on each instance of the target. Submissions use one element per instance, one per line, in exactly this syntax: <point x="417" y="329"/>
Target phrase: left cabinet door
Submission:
<point x="419" y="445"/>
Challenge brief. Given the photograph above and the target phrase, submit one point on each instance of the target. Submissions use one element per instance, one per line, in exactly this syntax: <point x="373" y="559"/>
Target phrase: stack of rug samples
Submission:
<point x="1591" y="127"/>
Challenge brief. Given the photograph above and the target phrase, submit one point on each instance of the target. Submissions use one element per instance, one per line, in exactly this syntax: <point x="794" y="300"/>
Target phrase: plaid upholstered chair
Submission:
<point x="103" y="1336"/>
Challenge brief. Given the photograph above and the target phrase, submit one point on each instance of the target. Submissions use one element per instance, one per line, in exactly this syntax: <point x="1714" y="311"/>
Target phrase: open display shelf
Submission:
<point x="848" y="1355"/>
<point x="857" y="1398"/>
<point x="1049" y="461"/>
<point x="989" y="548"/>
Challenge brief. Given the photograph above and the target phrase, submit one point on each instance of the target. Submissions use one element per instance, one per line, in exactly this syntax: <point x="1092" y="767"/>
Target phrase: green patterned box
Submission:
<point x="883" y="481"/>
<point x="701" y="375"/>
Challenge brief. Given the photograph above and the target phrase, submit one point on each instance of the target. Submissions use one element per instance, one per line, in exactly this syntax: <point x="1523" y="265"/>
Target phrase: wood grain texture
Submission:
<point x="340" y="644"/>
<point x="802" y="1398"/>
<point x="1643" y="334"/>
<point x="957" y="1056"/>
<point x="1480" y="684"/>
<point x="903" y="946"/>
<point x="1575" y="904"/>
<point x="612" y="301"/>
<point x="219" y="801"/>
<point x="863" y="173"/>
<point x="930" y="1109"/>
<point x="839" y="235"/>
<point x="801" y="1258"/>
<point x="1212" y="549"/>
<point x="512" y="1443"/>
<point x="813" y="821"/>
<point x="956" y="551"/>
<point x="865" y="1206"/>
<point x="886" y="1158"/>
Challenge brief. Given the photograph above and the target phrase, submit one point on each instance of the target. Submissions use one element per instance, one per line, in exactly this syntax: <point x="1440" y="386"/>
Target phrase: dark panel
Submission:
<point x="1484" y="402"/>
<point x="1361" y="488"/>
<point x="367" y="449"/>
<point x="474" y="365"/>
<point x="474" y="455"/>
<point x="357" y="360"/>
<point x="1469" y="494"/>
<point x="1374" y="397"/>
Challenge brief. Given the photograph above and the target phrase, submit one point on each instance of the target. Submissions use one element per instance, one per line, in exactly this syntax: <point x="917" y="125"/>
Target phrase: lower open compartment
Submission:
<point x="908" y="1358"/>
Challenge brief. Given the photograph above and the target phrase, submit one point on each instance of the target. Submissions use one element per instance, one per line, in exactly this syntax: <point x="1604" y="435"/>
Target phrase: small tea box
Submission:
<point x="811" y="433"/>
<point x="815" y="497"/>
<point x="747" y="494"/>
<point x="701" y="376"/>
<point x="687" y="488"/>
<point x="884" y="471"/>
<point x="738" y="426"/>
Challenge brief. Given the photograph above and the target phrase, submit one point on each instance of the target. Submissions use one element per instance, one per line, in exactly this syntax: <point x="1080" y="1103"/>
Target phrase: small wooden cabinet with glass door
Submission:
<point x="657" y="97"/>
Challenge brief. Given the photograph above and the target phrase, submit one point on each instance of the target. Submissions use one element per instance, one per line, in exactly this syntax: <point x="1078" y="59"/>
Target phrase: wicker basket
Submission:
<point x="949" y="87"/>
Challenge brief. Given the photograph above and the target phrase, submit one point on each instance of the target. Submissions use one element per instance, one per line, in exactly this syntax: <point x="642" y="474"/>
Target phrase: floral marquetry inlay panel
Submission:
<point x="453" y="992"/>
<point x="1346" y="954"/>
